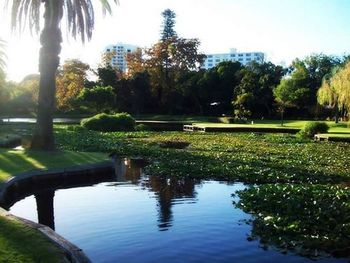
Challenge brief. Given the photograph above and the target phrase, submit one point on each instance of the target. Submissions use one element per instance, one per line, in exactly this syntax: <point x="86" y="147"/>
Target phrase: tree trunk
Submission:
<point x="336" y="115"/>
<point x="50" y="39"/>
<point x="282" y="113"/>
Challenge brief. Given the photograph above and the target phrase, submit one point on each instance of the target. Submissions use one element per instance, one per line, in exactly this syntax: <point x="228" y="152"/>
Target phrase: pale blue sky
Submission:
<point x="283" y="29"/>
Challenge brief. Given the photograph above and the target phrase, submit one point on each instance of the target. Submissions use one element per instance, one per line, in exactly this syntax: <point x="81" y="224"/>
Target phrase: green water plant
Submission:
<point x="310" y="220"/>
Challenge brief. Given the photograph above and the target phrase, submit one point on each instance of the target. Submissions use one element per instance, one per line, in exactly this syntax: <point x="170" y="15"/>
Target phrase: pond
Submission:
<point x="132" y="217"/>
<point x="33" y="120"/>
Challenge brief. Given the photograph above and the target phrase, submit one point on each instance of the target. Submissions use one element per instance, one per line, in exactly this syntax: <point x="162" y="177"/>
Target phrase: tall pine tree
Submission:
<point x="168" y="31"/>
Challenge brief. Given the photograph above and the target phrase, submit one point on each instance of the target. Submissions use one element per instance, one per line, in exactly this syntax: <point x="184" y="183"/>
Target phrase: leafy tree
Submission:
<point x="70" y="80"/>
<point x="20" y="97"/>
<point x="335" y="91"/>
<point x="309" y="74"/>
<point x="80" y="21"/>
<point x="254" y="93"/>
<point x="193" y="90"/>
<point x="182" y="56"/>
<point x="98" y="99"/>
<point x="135" y="62"/>
<point x="5" y="92"/>
<point x="288" y="94"/>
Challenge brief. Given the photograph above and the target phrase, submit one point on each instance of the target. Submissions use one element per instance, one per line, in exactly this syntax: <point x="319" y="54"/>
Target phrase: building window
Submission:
<point x="210" y="60"/>
<point x="240" y="59"/>
<point x="248" y="59"/>
<point x="217" y="60"/>
<point x="129" y="50"/>
<point x="248" y="55"/>
<point x="233" y="55"/>
<point x="210" y="65"/>
<point x="210" y="56"/>
<point x="240" y="55"/>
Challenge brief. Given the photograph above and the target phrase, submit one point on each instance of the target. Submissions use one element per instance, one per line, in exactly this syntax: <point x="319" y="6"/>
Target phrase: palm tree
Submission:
<point x="79" y="16"/>
<point x="2" y="56"/>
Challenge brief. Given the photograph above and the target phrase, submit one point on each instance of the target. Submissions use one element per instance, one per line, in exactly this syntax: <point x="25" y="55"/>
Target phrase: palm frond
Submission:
<point x="2" y="55"/>
<point x="79" y="15"/>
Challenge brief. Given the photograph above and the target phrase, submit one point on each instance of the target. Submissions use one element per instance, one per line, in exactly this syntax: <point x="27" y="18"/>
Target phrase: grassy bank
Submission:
<point x="13" y="162"/>
<point x="20" y="243"/>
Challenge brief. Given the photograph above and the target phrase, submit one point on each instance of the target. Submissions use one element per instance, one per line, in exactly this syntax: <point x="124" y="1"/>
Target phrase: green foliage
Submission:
<point x="142" y="127"/>
<point x="250" y="158"/>
<point x="335" y="90"/>
<point x="306" y="219"/>
<point x="174" y="143"/>
<point x="311" y="128"/>
<point x="253" y="95"/>
<point x="109" y="123"/>
<point x="97" y="98"/>
<point x="289" y="94"/>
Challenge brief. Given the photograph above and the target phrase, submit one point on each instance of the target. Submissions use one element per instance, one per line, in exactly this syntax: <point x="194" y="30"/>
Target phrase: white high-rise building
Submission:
<point x="120" y="51"/>
<point x="243" y="57"/>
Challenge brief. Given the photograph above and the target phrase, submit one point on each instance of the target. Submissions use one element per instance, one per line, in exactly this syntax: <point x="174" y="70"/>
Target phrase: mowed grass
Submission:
<point x="341" y="129"/>
<point x="20" y="243"/>
<point x="13" y="162"/>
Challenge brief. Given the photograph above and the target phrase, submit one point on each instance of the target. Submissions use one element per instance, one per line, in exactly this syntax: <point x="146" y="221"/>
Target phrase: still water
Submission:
<point x="139" y="218"/>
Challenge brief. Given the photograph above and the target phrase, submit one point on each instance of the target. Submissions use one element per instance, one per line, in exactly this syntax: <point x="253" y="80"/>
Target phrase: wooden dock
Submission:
<point x="331" y="138"/>
<point x="202" y="128"/>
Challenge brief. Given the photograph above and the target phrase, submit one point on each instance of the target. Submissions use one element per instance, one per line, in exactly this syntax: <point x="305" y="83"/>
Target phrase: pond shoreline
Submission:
<point x="71" y="251"/>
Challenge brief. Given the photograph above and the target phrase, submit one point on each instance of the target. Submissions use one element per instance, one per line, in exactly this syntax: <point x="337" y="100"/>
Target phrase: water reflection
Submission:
<point x="168" y="191"/>
<point x="45" y="208"/>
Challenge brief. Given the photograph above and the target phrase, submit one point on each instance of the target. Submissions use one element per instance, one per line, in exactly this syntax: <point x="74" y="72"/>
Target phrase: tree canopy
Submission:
<point x="335" y="90"/>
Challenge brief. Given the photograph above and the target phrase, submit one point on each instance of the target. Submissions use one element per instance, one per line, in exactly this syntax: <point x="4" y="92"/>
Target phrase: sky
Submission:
<point x="282" y="29"/>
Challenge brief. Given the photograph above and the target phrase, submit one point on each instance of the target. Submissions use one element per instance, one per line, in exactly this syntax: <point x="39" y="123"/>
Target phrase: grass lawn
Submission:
<point x="13" y="162"/>
<point x="20" y="243"/>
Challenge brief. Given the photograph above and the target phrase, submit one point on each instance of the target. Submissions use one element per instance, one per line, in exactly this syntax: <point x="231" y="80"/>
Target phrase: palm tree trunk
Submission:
<point x="50" y="39"/>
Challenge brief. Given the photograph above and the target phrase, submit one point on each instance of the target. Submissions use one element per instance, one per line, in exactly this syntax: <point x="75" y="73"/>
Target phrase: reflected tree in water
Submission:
<point x="45" y="208"/>
<point x="167" y="191"/>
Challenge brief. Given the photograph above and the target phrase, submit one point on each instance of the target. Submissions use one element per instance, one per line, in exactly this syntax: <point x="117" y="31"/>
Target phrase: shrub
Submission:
<point x="232" y="120"/>
<point x="311" y="128"/>
<point x="109" y="123"/>
<point x="142" y="127"/>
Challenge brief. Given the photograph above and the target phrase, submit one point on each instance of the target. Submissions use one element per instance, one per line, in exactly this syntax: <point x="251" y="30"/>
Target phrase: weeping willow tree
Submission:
<point x="79" y="17"/>
<point x="335" y="91"/>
